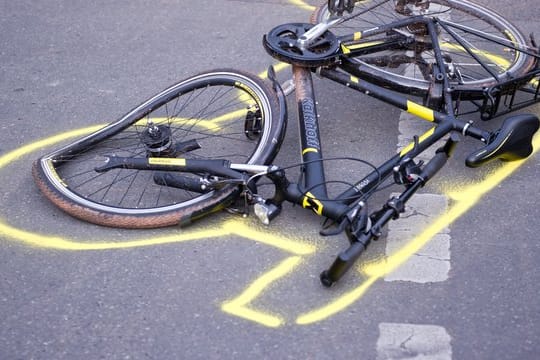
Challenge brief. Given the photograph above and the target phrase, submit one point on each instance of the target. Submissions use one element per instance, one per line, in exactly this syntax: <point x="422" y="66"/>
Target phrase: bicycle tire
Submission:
<point x="510" y="64"/>
<point x="211" y="108"/>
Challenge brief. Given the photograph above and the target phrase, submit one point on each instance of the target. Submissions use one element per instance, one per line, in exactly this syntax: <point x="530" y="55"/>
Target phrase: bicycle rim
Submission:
<point x="406" y="70"/>
<point x="203" y="117"/>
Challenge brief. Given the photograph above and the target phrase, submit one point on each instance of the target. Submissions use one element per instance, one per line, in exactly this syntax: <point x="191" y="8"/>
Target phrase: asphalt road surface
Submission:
<point x="228" y="287"/>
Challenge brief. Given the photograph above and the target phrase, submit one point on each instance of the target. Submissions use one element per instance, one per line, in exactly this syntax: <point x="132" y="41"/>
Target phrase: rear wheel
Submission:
<point x="408" y="69"/>
<point x="221" y="114"/>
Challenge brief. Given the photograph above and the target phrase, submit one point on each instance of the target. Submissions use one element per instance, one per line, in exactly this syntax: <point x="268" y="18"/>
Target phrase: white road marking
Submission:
<point x="412" y="341"/>
<point x="432" y="262"/>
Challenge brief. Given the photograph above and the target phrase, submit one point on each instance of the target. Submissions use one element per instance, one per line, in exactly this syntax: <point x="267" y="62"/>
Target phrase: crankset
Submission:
<point x="288" y="43"/>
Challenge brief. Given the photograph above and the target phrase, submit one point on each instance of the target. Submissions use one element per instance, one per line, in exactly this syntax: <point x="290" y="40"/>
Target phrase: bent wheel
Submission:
<point x="203" y="117"/>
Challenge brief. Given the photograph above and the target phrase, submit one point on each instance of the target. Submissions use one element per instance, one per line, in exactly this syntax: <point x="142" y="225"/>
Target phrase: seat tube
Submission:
<point x="314" y="179"/>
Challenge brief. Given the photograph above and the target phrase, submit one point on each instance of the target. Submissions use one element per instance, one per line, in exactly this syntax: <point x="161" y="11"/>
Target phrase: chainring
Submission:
<point x="282" y="44"/>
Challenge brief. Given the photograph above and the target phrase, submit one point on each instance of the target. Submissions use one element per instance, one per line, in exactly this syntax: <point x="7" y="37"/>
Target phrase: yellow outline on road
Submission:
<point x="465" y="199"/>
<point x="239" y="305"/>
<point x="302" y="5"/>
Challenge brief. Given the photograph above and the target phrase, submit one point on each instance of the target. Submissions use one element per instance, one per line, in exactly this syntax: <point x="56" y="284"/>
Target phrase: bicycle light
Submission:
<point x="266" y="212"/>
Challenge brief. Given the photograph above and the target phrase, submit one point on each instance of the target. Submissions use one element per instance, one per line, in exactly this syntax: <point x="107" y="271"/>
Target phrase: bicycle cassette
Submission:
<point x="286" y="43"/>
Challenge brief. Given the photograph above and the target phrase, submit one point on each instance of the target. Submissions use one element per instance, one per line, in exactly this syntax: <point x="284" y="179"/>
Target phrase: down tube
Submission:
<point x="314" y="178"/>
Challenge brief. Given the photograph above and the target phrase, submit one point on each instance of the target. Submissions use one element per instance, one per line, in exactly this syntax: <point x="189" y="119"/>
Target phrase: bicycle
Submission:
<point x="203" y="144"/>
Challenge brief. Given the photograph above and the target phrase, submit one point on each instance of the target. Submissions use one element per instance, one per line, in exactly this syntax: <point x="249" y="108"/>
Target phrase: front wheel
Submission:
<point x="221" y="114"/>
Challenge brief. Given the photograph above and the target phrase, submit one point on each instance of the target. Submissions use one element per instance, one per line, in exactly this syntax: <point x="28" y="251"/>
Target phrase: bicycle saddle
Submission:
<point x="513" y="141"/>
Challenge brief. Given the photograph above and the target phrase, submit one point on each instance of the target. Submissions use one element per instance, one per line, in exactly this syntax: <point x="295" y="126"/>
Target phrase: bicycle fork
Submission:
<point x="390" y="211"/>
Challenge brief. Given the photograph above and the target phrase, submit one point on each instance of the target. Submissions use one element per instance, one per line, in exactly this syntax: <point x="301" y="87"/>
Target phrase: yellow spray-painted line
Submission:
<point x="239" y="305"/>
<point x="230" y="227"/>
<point x="57" y="242"/>
<point x="464" y="198"/>
<point x="303" y="5"/>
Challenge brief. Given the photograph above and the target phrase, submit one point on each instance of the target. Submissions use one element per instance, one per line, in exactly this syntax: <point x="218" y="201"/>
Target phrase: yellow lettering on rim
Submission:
<point x="50" y="165"/>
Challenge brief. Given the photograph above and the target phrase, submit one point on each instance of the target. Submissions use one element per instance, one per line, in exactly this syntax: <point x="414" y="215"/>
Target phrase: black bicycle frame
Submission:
<point x="312" y="193"/>
<point x="348" y="210"/>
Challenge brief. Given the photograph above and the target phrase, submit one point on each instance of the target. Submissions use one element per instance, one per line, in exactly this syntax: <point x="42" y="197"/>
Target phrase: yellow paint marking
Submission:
<point x="422" y="137"/>
<point x="212" y="124"/>
<point x="22" y="151"/>
<point x="243" y="229"/>
<point x="513" y="40"/>
<point x="277" y="67"/>
<point x="465" y="199"/>
<point x="231" y="227"/>
<point x="340" y="304"/>
<point x="496" y="59"/>
<point x="308" y="150"/>
<point x="420" y="111"/>
<point x="238" y="306"/>
<point x="53" y="172"/>
<point x="302" y="5"/>
<point x="60" y="243"/>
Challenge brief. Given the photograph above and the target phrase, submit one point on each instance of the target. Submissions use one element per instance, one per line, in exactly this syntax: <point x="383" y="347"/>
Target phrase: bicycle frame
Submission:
<point x="348" y="210"/>
<point x="349" y="206"/>
<point x="314" y="193"/>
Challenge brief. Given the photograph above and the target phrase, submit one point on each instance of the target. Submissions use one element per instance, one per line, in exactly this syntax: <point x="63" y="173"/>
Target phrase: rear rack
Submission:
<point x="507" y="96"/>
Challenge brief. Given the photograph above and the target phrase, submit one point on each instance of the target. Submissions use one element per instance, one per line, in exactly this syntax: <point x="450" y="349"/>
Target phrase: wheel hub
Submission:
<point x="157" y="139"/>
